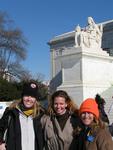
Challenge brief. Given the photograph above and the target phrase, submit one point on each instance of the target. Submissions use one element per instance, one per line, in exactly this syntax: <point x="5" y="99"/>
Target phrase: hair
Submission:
<point x="95" y="125"/>
<point x="37" y="107"/>
<point x="71" y="106"/>
<point x="99" y="100"/>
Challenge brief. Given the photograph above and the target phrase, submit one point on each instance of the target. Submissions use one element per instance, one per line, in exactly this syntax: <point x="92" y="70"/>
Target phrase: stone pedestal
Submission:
<point x="86" y="72"/>
<point x="80" y="66"/>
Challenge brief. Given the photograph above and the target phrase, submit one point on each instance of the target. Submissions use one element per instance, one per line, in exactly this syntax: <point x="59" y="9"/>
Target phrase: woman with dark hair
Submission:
<point x="60" y="123"/>
<point x="94" y="135"/>
<point x="21" y="120"/>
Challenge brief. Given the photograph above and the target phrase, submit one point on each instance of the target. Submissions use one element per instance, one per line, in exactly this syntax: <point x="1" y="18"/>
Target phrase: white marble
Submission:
<point x="90" y="36"/>
<point x="81" y="66"/>
<point x="86" y="73"/>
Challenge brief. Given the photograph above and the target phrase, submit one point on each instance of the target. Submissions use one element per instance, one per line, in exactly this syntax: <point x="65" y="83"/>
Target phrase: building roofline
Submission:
<point x="70" y="34"/>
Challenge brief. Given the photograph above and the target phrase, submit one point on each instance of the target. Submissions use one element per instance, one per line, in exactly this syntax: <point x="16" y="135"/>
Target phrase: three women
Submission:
<point x="63" y="128"/>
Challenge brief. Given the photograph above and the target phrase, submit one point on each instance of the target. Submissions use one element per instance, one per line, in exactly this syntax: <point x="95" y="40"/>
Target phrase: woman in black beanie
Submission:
<point x="22" y="122"/>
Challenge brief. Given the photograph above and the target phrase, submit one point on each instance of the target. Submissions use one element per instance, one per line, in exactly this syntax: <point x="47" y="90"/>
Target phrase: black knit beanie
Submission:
<point x="30" y="89"/>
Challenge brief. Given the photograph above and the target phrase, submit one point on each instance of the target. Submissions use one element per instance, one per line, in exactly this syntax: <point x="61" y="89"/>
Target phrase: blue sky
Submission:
<point x="41" y="20"/>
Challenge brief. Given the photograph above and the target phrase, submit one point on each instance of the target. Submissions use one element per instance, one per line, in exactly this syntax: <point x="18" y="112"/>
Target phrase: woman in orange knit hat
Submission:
<point x="94" y="135"/>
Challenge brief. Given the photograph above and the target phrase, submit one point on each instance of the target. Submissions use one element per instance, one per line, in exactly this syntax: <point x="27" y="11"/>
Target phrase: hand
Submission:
<point x="2" y="146"/>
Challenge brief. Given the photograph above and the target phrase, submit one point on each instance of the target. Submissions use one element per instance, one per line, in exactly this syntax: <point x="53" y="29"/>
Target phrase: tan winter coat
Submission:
<point x="55" y="138"/>
<point x="102" y="141"/>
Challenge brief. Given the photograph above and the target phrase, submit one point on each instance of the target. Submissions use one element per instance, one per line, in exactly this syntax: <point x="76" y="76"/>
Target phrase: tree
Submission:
<point x="12" y="52"/>
<point x="12" y="47"/>
<point x="19" y="72"/>
<point x="9" y="90"/>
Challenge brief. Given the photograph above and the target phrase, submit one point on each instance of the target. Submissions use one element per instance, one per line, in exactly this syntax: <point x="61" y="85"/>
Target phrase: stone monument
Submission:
<point x="90" y="36"/>
<point x="79" y="63"/>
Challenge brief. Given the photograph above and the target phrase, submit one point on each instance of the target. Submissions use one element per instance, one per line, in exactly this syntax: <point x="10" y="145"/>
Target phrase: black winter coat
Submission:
<point x="13" y="141"/>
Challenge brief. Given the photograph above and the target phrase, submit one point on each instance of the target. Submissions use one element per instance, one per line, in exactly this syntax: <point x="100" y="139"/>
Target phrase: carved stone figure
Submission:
<point x="77" y="36"/>
<point x="91" y="36"/>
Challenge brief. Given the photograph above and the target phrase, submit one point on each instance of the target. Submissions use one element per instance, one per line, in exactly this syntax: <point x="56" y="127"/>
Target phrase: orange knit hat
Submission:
<point x="89" y="105"/>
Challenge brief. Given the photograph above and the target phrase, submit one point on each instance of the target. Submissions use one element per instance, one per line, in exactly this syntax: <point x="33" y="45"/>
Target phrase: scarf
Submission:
<point x="27" y="111"/>
<point x="62" y="119"/>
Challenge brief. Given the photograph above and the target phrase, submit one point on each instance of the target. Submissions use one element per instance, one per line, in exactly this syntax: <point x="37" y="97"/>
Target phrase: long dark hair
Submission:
<point x="71" y="106"/>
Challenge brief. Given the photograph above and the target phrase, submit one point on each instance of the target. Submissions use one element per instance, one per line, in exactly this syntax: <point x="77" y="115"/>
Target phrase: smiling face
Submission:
<point x="29" y="101"/>
<point x="87" y="118"/>
<point x="59" y="105"/>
